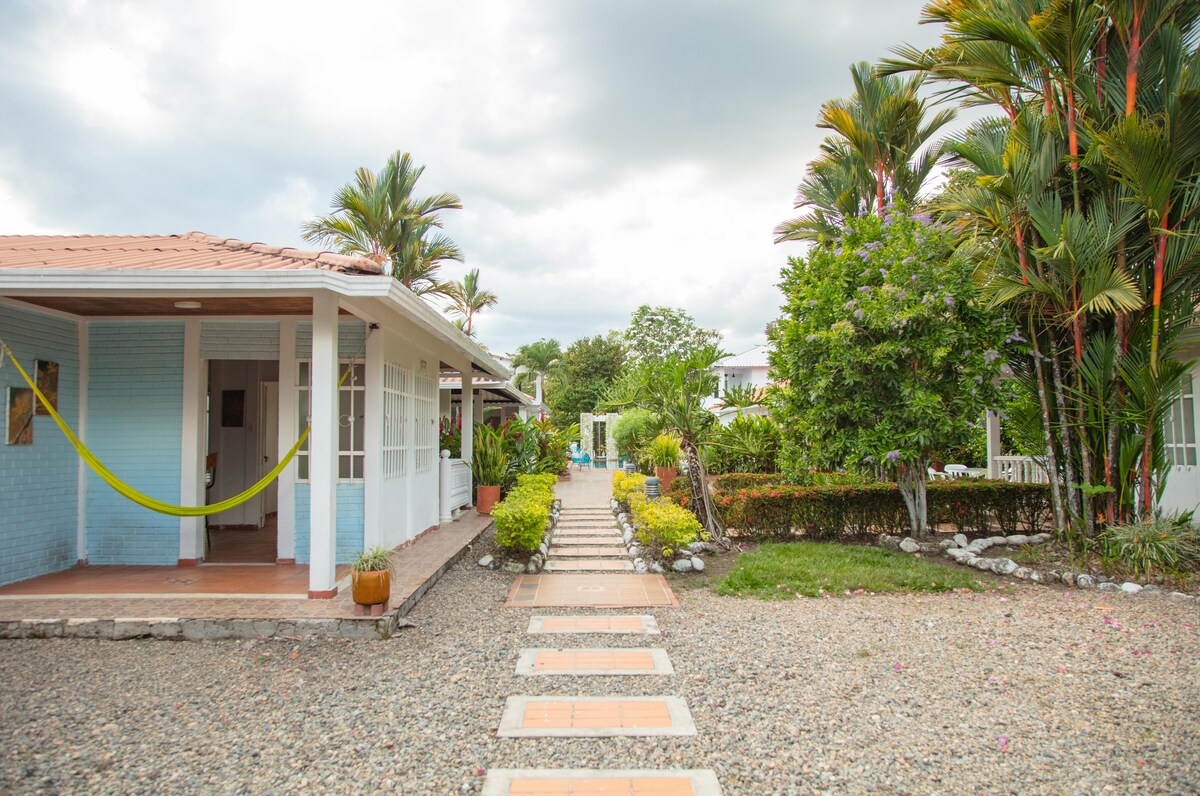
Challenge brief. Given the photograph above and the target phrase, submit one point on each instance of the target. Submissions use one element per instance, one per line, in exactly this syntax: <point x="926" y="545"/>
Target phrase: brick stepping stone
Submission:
<point x="579" y="590"/>
<point x="587" y="541"/>
<point x="579" y="781"/>
<point x="585" y="565"/>
<point x="594" y="662"/>
<point x="563" y="530"/>
<point x="645" y="625"/>
<point x="594" y="717"/>
<point x="584" y="551"/>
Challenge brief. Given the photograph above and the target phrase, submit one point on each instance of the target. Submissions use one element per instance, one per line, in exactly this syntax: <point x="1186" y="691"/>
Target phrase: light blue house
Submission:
<point x="188" y="359"/>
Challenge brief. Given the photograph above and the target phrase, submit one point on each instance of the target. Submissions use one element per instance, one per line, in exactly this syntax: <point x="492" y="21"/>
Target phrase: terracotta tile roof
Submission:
<point x="194" y="251"/>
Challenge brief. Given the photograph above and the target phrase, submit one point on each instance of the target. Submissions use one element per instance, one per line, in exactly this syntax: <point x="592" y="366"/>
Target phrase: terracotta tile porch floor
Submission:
<point x="223" y="591"/>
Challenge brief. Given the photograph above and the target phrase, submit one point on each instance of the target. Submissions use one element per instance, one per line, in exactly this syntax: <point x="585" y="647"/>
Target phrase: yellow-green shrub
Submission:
<point x="524" y="514"/>
<point x="665" y="527"/>
<point x="627" y="486"/>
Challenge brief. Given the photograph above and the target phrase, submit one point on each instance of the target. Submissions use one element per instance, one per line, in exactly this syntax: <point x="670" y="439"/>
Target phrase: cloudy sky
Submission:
<point x="609" y="153"/>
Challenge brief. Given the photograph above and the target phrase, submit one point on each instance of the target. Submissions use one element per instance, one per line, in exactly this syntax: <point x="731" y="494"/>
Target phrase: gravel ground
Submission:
<point x="1028" y="689"/>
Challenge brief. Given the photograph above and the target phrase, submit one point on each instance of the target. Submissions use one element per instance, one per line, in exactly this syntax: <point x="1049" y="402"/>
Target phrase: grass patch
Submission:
<point x="778" y="571"/>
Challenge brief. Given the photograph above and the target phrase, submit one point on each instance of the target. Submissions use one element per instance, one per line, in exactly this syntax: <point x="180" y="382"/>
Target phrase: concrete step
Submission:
<point x="585" y="565"/>
<point x="586" y="541"/>
<point x="579" y="551"/>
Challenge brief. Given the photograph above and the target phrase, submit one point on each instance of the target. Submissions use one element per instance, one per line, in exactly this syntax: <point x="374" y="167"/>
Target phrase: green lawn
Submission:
<point x="782" y="570"/>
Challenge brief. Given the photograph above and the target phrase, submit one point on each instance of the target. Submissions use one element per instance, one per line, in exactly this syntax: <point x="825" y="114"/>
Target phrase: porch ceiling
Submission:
<point x="93" y="306"/>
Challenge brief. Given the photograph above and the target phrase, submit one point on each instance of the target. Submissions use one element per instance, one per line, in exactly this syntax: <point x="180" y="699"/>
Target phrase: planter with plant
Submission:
<point x="371" y="579"/>
<point x="490" y="465"/>
<point x="663" y="452"/>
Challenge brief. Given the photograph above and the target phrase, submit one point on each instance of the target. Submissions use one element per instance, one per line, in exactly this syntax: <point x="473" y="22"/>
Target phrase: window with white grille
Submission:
<point x="1179" y="430"/>
<point x="350" y="427"/>
<point x="397" y="414"/>
<point x="425" y="442"/>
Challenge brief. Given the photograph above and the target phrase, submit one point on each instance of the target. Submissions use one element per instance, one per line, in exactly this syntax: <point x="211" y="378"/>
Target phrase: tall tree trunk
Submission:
<point x="702" y="504"/>
<point x="1056" y="498"/>
<point x="1068" y="444"/>
<point x="1134" y="59"/>
<point x="1160" y="257"/>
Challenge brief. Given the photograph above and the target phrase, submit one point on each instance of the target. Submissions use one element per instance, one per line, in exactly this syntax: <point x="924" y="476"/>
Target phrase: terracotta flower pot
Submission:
<point x="562" y="478"/>
<point x="665" y="476"/>
<point x="486" y="497"/>
<point x="371" y="588"/>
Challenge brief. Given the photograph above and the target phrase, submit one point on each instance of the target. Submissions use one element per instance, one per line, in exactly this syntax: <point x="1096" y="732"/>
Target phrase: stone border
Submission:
<point x="649" y="626"/>
<point x="967" y="553"/>
<point x="659" y="661"/>
<point x="514" y="715"/>
<point x="500" y="780"/>
<point x="121" y="629"/>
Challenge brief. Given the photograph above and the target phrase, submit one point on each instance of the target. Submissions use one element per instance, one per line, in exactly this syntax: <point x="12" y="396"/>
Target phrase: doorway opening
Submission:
<point x="243" y="445"/>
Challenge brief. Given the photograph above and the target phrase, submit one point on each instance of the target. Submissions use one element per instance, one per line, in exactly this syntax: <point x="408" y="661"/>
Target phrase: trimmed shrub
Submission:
<point x="664" y="527"/>
<point x="524" y="514"/>
<point x="827" y="512"/>
<point x="626" y="487"/>
<point x="734" y="482"/>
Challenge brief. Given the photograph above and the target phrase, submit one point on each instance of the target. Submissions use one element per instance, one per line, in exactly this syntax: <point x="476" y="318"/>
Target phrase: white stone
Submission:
<point x="1108" y="587"/>
<point x="1040" y="538"/>
<point x="1131" y="588"/>
<point x="628" y="538"/>
<point x="657" y="567"/>
<point x="947" y="544"/>
<point x="697" y="547"/>
<point x="640" y="567"/>
<point x="682" y="565"/>
<point x="634" y="550"/>
<point x="622" y="518"/>
<point x="961" y="539"/>
<point x="486" y="561"/>
<point x="533" y="567"/>
<point x="981" y="563"/>
<point x="515" y="567"/>
<point x="1004" y="566"/>
<point x="909" y="546"/>
<point x="1021" y="573"/>
<point x="997" y="540"/>
<point x="698" y="564"/>
<point x="1018" y="538"/>
<point x="1084" y="581"/>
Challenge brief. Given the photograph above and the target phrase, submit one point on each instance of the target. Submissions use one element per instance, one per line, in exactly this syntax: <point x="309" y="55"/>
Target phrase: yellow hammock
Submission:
<point x="143" y="499"/>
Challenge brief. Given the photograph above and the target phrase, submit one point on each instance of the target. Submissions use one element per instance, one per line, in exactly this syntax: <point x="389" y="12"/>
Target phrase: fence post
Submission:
<point x="444" y="486"/>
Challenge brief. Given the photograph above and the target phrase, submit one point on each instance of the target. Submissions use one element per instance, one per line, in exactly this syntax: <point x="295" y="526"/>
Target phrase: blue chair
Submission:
<point x="582" y="460"/>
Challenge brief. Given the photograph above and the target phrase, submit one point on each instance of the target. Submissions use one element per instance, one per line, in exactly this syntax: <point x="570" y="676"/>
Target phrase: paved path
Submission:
<point x="588" y="567"/>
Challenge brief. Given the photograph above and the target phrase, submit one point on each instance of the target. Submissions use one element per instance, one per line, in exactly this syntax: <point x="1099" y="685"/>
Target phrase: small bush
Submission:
<point x="524" y="514"/>
<point x="1164" y="546"/>
<point x="734" y="482"/>
<point x="663" y="451"/>
<point x="664" y="527"/>
<point x="626" y="486"/>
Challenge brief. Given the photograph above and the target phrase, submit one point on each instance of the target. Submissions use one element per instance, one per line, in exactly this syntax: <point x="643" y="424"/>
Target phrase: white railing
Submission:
<point x="454" y="486"/>
<point x="1020" y="470"/>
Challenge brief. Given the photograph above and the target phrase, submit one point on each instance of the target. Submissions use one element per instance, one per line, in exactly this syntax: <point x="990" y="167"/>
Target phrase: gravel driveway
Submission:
<point x="1026" y="690"/>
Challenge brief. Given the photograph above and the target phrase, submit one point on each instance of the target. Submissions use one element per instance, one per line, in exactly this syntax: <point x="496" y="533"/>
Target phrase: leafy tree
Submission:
<point x="378" y="217"/>
<point x="883" y="355"/>
<point x="749" y="444"/>
<point x="656" y="334"/>
<point x="467" y="299"/>
<point x="635" y="429"/>
<point x="585" y="371"/>
<point x="538" y="358"/>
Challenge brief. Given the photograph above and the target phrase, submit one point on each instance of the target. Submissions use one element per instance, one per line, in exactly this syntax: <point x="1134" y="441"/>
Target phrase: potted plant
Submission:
<point x="371" y="576"/>
<point x="490" y="466"/>
<point x="663" y="453"/>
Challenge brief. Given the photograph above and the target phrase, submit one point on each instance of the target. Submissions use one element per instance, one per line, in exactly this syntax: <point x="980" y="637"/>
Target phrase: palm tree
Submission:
<point x="876" y="153"/>
<point x="467" y="300"/>
<point x="537" y="358"/>
<point x="377" y="216"/>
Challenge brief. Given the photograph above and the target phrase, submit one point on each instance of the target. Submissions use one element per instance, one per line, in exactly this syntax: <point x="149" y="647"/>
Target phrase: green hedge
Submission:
<point x="626" y="487"/>
<point x="524" y="514"/>
<point x="735" y="482"/>
<point x="826" y="512"/>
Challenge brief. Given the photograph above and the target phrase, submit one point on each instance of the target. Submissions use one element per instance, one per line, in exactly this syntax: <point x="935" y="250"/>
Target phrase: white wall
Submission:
<point x="1182" y="492"/>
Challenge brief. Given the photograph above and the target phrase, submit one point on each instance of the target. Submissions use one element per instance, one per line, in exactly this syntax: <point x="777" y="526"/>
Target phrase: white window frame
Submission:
<point x="425" y="426"/>
<point x="1179" y="429"/>
<point x="397" y="415"/>
<point x="356" y="389"/>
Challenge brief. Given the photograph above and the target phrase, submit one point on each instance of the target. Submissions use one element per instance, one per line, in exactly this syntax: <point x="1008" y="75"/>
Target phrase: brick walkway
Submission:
<point x="586" y="540"/>
<point x="97" y="601"/>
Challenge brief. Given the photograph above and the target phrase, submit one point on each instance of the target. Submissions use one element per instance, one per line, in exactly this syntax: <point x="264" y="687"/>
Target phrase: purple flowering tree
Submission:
<point x="883" y="353"/>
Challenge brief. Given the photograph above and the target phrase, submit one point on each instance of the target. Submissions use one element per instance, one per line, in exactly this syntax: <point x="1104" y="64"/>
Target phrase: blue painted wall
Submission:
<point x="40" y="481"/>
<point x="135" y="409"/>
<point x="350" y="339"/>
<point x="349" y="522"/>
<point x="239" y="340"/>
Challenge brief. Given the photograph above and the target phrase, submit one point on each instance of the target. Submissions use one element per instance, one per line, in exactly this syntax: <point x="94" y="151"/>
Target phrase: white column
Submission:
<point x="81" y="549"/>
<point x="538" y="390"/>
<point x="445" y="474"/>
<point x="467" y="412"/>
<point x="993" y="444"/>
<point x="191" y="465"/>
<point x="322" y="446"/>
<point x="289" y="430"/>
<point x="478" y="409"/>
<point x="373" y="531"/>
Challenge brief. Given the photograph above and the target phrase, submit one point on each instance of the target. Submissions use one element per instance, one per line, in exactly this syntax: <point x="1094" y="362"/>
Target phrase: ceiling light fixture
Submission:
<point x="187" y="305"/>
